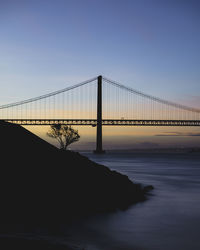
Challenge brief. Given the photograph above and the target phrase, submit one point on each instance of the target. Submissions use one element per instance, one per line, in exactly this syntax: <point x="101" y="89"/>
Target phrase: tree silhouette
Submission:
<point x="64" y="134"/>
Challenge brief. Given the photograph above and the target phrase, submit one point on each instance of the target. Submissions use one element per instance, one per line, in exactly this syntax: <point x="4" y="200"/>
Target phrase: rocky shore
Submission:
<point x="40" y="182"/>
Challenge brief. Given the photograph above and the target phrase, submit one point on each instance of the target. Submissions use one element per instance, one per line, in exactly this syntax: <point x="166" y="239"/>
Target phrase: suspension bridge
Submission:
<point x="99" y="102"/>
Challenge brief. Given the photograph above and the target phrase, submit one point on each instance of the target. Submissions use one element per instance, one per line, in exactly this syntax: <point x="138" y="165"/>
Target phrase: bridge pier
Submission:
<point x="99" y="147"/>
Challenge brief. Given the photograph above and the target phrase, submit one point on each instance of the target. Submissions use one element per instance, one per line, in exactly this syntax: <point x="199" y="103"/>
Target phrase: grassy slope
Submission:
<point x="39" y="182"/>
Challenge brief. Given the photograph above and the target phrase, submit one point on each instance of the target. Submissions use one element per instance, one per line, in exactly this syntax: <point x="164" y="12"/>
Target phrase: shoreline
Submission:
<point x="148" y="151"/>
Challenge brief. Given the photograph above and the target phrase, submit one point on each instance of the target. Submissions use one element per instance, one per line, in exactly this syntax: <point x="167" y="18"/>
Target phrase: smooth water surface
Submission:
<point x="169" y="219"/>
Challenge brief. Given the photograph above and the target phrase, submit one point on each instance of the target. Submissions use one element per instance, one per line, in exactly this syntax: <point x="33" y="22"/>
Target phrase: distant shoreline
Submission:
<point x="150" y="150"/>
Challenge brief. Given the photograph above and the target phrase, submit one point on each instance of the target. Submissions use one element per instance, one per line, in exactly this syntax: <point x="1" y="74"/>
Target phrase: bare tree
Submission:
<point x="64" y="134"/>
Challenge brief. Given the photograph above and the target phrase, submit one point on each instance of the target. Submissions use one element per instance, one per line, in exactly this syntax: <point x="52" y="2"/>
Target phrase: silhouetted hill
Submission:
<point x="39" y="182"/>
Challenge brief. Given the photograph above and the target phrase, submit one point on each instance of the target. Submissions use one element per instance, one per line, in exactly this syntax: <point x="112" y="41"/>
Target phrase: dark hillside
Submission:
<point x="39" y="182"/>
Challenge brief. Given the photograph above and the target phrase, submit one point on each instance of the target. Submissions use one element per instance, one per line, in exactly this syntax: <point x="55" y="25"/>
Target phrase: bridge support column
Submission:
<point x="99" y="147"/>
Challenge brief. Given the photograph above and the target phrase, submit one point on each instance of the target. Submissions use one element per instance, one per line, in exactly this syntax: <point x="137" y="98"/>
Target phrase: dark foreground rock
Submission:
<point x="9" y="243"/>
<point x="39" y="182"/>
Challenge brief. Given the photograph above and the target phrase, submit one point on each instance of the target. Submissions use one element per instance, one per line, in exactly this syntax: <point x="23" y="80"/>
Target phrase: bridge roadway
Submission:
<point x="105" y="122"/>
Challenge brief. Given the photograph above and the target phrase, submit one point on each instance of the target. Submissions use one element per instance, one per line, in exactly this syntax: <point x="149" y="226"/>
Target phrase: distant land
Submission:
<point x="171" y="150"/>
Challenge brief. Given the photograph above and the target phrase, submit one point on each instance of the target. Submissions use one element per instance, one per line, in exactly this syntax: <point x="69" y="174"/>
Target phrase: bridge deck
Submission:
<point x="105" y="122"/>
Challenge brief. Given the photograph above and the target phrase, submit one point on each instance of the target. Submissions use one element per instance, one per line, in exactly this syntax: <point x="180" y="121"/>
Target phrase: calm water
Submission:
<point x="170" y="219"/>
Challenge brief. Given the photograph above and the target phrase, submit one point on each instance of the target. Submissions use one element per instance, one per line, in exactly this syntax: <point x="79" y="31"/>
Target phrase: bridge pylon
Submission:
<point x="99" y="146"/>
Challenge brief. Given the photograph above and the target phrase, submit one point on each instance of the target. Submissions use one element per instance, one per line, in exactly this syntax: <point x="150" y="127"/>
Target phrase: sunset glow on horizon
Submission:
<point x="149" y="46"/>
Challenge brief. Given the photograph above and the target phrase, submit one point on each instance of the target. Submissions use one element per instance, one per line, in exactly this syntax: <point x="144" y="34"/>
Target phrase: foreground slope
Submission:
<point x="40" y="182"/>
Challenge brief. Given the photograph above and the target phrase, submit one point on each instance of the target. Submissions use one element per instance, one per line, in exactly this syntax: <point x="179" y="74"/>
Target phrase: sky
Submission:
<point x="149" y="45"/>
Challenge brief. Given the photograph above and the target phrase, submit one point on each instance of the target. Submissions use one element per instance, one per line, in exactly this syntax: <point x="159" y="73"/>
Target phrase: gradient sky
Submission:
<point x="152" y="46"/>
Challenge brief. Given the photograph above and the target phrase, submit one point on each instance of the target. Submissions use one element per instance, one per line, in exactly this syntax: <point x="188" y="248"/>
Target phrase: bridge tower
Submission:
<point x="99" y="147"/>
